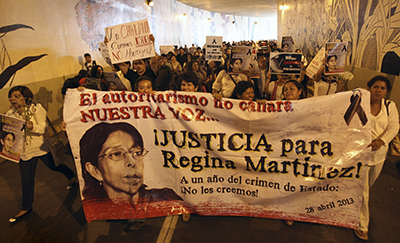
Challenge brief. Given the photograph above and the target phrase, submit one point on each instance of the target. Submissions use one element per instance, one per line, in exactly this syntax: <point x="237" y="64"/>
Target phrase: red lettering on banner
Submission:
<point x="121" y="113"/>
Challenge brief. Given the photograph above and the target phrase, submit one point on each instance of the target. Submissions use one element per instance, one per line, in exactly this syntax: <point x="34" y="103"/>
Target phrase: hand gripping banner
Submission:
<point x="141" y="156"/>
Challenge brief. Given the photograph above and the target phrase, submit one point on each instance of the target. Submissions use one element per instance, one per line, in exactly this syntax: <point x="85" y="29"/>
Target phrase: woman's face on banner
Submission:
<point x="332" y="63"/>
<point x="237" y="65"/>
<point x="121" y="172"/>
<point x="285" y="48"/>
<point x="8" y="142"/>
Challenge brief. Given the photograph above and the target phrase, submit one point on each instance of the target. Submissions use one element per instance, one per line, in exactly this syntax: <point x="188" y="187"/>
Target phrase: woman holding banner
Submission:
<point x="293" y="90"/>
<point x="384" y="126"/>
<point x="35" y="146"/>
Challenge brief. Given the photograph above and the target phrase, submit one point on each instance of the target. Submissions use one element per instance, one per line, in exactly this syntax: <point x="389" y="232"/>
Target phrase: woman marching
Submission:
<point x="384" y="126"/>
<point x="35" y="146"/>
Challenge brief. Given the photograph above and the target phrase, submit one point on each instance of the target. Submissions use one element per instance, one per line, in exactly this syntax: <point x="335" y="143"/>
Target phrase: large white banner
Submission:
<point x="140" y="155"/>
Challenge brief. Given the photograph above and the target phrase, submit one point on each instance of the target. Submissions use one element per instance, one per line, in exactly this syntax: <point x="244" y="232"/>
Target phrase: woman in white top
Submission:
<point x="35" y="146"/>
<point x="177" y="67"/>
<point x="384" y="126"/>
<point x="225" y="83"/>
<point x="274" y="89"/>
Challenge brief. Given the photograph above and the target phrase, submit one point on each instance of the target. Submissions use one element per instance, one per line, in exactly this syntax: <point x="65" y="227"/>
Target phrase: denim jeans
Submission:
<point x="28" y="168"/>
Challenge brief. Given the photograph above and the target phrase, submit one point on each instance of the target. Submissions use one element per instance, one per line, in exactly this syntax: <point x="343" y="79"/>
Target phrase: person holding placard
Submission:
<point x="325" y="84"/>
<point x="225" y="83"/>
<point x="274" y="88"/>
<point x="35" y="145"/>
<point x="164" y="74"/>
<point x="262" y="80"/>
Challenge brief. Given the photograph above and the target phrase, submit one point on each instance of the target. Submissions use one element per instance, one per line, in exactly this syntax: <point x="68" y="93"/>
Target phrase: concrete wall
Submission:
<point x="64" y="30"/>
<point x="371" y="27"/>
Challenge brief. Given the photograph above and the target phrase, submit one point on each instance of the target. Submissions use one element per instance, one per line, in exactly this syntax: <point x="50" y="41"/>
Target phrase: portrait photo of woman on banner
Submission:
<point x="7" y="140"/>
<point x="112" y="168"/>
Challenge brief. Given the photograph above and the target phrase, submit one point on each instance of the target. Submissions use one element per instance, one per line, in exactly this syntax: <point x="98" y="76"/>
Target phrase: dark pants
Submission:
<point x="28" y="168"/>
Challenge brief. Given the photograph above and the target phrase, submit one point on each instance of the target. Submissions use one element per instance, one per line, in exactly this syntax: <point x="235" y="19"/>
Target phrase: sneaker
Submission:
<point x="289" y="222"/>
<point x="362" y="235"/>
<point x="186" y="217"/>
<point x="136" y="226"/>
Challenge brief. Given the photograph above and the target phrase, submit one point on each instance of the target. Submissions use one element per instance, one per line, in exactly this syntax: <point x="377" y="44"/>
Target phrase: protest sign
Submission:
<point x="285" y="63"/>
<point x="112" y="77"/>
<point x="213" y="48"/>
<point x="287" y="44"/>
<point x="105" y="53"/>
<point x="316" y="63"/>
<point x="11" y="138"/>
<point x="129" y="41"/>
<point x="140" y="155"/>
<point x="335" y="57"/>
<point x="166" y="49"/>
<point x="241" y="59"/>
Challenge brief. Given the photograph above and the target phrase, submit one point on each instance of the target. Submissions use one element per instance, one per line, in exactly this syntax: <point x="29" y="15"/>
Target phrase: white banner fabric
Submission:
<point x="302" y="160"/>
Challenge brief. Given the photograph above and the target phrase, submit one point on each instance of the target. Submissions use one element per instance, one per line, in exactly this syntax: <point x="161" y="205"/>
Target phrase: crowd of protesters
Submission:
<point x="165" y="72"/>
<point x="186" y="69"/>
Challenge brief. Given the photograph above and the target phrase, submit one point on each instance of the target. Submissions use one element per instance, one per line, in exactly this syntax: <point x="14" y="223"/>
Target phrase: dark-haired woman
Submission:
<point x="35" y="146"/>
<point x="384" y="126"/>
<point x="189" y="82"/>
<point x="244" y="90"/>
<point x="292" y="90"/>
<point x="194" y="66"/>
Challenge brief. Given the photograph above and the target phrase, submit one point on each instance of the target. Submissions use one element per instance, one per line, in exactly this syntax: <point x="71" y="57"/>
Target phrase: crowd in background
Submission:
<point x="165" y="72"/>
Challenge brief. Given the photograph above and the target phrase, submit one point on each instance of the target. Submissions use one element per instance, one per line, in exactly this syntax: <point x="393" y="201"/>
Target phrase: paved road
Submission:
<point x="58" y="217"/>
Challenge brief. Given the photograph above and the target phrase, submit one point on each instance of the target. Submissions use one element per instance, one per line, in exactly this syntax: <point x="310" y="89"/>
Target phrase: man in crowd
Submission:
<point x="89" y="63"/>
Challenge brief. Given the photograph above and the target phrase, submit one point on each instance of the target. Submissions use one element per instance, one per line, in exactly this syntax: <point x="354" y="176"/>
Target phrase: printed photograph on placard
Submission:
<point x="11" y="137"/>
<point x="287" y="44"/>
<point x="166" y="49"/>
<point x="240" y="60"/>
<point x="285" y="63"/>
<point x="335" y="57"/>
<point x="104" y="53"/>
<point x="114" y="82"/>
